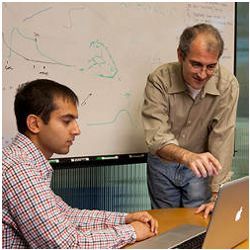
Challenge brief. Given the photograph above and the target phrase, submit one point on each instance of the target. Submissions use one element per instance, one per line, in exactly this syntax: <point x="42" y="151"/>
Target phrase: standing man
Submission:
<point x="33" y="216"/>
<point x="189" y="115"/>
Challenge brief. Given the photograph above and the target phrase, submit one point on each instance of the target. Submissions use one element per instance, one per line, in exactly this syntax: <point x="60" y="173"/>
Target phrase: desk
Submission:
<point x="171" y="217"/>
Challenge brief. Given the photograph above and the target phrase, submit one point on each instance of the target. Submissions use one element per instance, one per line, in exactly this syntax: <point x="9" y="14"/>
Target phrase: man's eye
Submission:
<point x="66" y="121"/>
<point x="196" y="65"/>
<point x="211" y="67"/>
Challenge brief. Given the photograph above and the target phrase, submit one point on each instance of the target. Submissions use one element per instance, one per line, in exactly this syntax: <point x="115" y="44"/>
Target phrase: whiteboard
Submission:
<point x="104" y="52"/>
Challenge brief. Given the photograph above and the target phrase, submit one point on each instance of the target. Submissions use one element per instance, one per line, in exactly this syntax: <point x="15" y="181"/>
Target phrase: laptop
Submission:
<point x="227" y="228"/>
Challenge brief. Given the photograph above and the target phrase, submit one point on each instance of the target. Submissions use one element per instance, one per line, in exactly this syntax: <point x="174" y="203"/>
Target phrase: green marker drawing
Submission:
<point x="114" y="120"/>
<point x="102" y="61"/>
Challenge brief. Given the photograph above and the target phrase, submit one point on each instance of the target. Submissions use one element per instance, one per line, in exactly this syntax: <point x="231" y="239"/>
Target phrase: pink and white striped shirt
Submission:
<point x="34" y="217"/>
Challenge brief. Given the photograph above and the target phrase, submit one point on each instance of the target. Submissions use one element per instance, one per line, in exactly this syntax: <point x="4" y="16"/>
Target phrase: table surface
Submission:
<point x="169" y="218"/>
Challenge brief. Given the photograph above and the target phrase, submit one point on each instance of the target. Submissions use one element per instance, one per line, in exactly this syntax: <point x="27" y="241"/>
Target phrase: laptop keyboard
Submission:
<point x="194" y="243"/>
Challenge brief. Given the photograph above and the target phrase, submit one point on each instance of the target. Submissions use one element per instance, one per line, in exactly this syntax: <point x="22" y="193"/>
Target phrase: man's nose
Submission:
<point x="203" y="73"/>
<point x="76" y="130"/>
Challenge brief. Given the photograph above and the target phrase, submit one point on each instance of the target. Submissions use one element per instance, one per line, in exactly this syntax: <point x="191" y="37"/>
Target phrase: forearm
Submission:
<point x="172" y="152"/>
<point x="44" y="225"/>
<point x="90" y="219"/>
<point x="115" y="237"/>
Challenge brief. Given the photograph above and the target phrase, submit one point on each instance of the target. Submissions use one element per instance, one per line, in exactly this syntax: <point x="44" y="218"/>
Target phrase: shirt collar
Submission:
<point x="35" y="155"/>
<point x="210" y="87"/>
<point x="177" y="84"/>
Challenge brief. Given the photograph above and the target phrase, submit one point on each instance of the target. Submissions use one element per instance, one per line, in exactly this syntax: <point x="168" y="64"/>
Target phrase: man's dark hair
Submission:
<point x="37" y="97"/>
<point x="215" y="41"/>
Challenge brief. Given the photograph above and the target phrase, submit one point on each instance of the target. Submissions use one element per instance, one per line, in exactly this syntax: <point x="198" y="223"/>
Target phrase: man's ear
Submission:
<point x="33" y="123"/>
<point x="180" y="55"/>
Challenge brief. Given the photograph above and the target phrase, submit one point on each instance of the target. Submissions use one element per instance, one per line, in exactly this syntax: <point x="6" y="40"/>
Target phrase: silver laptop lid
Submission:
<point x="229" y="223"/>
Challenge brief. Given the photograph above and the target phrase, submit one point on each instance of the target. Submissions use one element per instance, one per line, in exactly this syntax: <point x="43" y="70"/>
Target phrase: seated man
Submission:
<point x="33" y="216"/>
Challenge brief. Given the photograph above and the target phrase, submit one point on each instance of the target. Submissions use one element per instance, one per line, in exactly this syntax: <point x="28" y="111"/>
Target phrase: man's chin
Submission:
<point x="63" y="152"/>
<point x="198" y="85"/>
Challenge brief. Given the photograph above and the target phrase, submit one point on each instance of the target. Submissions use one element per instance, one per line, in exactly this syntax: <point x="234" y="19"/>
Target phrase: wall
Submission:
<point x="104" y="52"/>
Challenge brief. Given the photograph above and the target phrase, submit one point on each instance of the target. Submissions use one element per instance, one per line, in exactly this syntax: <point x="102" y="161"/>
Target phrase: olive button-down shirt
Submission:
<point x="204" y="124"/>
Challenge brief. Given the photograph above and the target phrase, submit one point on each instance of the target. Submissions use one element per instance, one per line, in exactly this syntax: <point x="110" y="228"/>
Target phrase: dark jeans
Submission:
<point x="175" y="185"/>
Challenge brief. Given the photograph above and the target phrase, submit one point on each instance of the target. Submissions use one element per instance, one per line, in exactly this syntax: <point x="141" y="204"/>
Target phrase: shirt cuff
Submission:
<point x="127" y="234"/>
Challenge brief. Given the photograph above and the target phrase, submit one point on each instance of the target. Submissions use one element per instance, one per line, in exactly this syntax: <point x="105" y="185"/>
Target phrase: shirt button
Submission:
<point x="189" y="122"/>
<point x="183" y="136"/>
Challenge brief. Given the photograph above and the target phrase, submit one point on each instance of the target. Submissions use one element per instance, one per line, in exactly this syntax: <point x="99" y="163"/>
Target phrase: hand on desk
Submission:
<point x="207" y="208"/>
<point x="142" y="230"/>
<point x="144" y="224"/>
